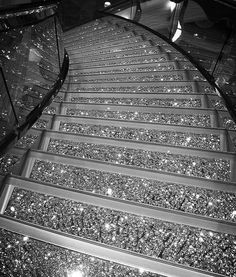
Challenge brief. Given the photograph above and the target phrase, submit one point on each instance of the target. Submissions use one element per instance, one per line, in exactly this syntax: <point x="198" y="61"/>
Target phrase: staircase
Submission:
<point x="129" y="172"/>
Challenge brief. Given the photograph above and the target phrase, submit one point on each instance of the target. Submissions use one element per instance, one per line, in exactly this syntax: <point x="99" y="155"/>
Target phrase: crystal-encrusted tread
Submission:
<point x="202" y="141"/>
<point x="205" y="202"/>
<point x="200" y="120"/>
<point x="127" y="54"/>
<point x="151" y="237"/>
<point x="141" y="101"/>
<point x="209" y="168"/>
<point x="55" y="260"/>
<point x="180" y="87"/>
<point x="116" y="49"/>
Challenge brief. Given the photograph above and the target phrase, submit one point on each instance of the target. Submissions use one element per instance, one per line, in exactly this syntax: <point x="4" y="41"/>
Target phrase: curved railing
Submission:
<point x="33" y="66"/>
<point x="204" y="31"/>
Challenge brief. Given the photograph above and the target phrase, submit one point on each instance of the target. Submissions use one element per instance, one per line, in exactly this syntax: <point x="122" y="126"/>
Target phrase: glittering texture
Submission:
<point x="168" y="76"/>
<point x="7" y="163"/>
<point x="114" y="49"/>
<point x="133" y="53"/>
<point x="40" y="124"/>
<point x="127" y="61"/>
<point x="167" y="102"/>
<point x="199" y="120"/>
<point x="50" y="110"/>
<point x="183" y="244"/>
<point x="58" y="98"/>
<point x="159" y="67"/>
<point x="139" y="89"/>
<point x="108" y="44"/>
<point x="27" y="141"/>
<point x="216" y="204"/>
<point x="23" y="256"/>
<point x="228" y="123"/>
<point x="205" y="141"/>
<point x="101" y="34"/>
<point x="217" y="104"/>
<point x="102" y="39"/>
<point x="216" y="169"/>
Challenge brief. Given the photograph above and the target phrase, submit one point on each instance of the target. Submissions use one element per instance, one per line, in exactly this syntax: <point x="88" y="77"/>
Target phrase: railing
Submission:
<point x="204" y="31"/>
<point x="33" y="66"/>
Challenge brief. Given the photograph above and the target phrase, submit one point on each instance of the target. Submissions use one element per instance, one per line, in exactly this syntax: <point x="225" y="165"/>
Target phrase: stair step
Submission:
<point x="156" y="77"/>
<point x="51" y="241"/>
<point x="120" y="33"/>
<point x="124" y="54"/>
<point x="139" y="132"/>
<point x="196" y="100"/>
<point x="163" y="87"/>
<point x="113" y="43"/>
<point x="114" y="49"/>
<point x="151" y="67"/>
<point x="93" y="41"/>
<point x="135" y="189"/>
<point x="192" y="100"/>
<point x="81" y="31"/>
<point x="193" y="162"/>
<point x="96" y="34"/>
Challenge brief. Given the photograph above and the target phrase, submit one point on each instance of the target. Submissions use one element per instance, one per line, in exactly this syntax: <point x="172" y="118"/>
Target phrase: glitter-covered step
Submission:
<point x="50" y="251"/>
<point x="199" y="199"/>
<point x="78" y="31"/>
<point x="105" y="32"/>
<point x="185" y="136"/>
<point x="94" y="41"/>
<point x="115" y="43"/>
<point x="53" y="251"/>
<point x="116" y="49"/>
<point x="150" y="236"/>
<point x="151" y="67"/>
<point x="197" y="100"/>
<point x="182" y="87"/>
<point x="162" y="115"/>
<point x="162" y="57"/>
<point x="119" y="34"/>
<point x="123" y="54"/>
<point x="156" y="77"/>
<point x="209" y="139"/>
<point x="178" y="100"/>
<point x="162" y="158"/>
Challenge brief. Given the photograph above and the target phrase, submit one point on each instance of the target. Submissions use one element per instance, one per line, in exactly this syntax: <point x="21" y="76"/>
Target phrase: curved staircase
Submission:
<point x="129" y="172"/>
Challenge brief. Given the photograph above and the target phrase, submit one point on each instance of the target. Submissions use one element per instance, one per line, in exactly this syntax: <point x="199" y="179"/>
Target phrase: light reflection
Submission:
<point x="177" y="33"/>
<point x="107" y="4"/>
<point x="75" y="273"/>
<point x="171" y="5"/>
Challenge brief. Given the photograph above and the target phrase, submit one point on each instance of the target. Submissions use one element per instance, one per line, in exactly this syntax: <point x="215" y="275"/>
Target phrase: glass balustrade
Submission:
<point x="31" y="59"/>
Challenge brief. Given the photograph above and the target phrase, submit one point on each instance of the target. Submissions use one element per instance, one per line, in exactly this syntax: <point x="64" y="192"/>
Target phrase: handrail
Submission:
<point x="26" y="15"/>
<point x="21" y="7"/>
<point x="202" y="70"/>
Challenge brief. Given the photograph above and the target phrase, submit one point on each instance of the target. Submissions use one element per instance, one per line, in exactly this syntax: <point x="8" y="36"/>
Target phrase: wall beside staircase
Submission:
<point x="129" y="172"/>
